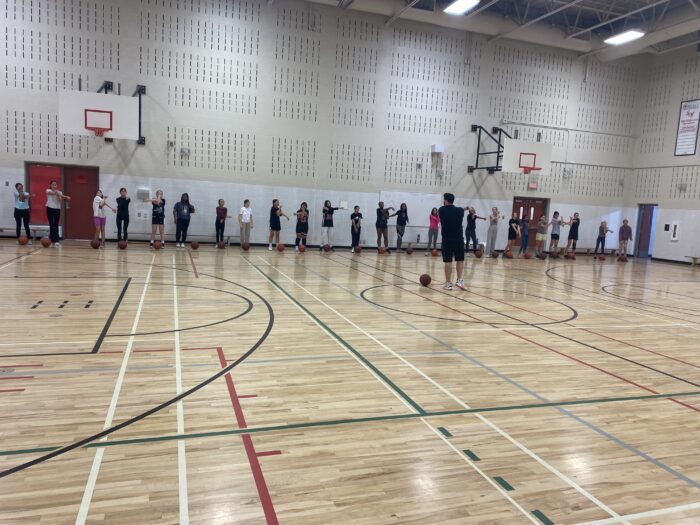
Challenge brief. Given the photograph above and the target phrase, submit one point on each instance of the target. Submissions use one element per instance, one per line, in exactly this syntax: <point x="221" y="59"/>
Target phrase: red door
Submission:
<point x="646" y="218"/>
<point x="39" y="177"/>
<point x="81" y="184"/>
<point x="532" y="209"/>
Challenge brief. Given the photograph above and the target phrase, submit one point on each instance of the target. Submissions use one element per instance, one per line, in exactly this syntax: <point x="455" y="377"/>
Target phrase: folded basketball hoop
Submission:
<point x="98" y="121"/>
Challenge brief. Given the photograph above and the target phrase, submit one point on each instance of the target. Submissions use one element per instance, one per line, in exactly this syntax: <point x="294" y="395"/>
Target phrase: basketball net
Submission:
<point x="528" y="169"/>
<point x="99" y="132"/>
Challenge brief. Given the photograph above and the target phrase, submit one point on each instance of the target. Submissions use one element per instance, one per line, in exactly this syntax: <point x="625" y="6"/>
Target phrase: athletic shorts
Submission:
<point x="555" y="236"/>
<point x="99" y="221"/>
<point x="512" y="235"/>
<point x="157" y="220"/>
<point x="275" y="228"/>
<point x="573" y="237"/>
<point x="452" y="249"/>
<point x="541" y="237"/>
<point x="302" y="228"/>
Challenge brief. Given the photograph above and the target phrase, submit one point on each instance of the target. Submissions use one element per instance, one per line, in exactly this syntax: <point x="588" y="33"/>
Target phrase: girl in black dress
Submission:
<point x="302" y="225"/>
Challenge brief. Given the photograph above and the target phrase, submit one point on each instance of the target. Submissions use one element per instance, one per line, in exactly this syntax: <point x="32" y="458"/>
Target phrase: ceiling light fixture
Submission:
<point x="624" y="37"/>
<point x="459" y="7"/>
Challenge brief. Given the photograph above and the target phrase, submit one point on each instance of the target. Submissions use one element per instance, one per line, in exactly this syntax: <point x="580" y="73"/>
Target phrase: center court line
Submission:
<point x="97" y="460"/>
<point x="181" y="455"/>
<point x="647" y="514"/>
<point x="484" y="420"/>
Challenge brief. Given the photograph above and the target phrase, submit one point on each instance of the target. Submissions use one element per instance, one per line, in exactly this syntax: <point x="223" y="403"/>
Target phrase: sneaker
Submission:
<point x="447" y="286"/>
<point x="296" y="248"/>
<point x="29" y="243"/>
<point x="150" y="245"/>
<point x="352" y="250"/>
<point x="269" y="248"/>
<point x="460" y="284"/>
<point x="57" y="244"/>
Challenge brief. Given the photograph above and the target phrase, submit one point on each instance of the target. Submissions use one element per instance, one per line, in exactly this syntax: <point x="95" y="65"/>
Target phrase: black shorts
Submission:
<point x="555" y="236"/>
<point x="275" y="228"/>
<point x="157" y="220"/>
<point x="302" y="228"/>
<point x="452" y="249"/>
<point x="512" y="235"/>
<point x="573" y="237"/>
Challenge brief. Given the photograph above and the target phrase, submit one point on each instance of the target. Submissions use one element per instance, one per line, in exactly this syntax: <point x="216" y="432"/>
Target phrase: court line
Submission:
<point x="562" y="477"/>
<point x="181" y="455"/>
<point x="18" y="258"/>
<point x="194" y="267"/>
<point x="647" y="514"/>
<point x="97" y="460"/>
<point x="111" y="317"/>
<point x="534" y="394"/>
<point x="368" y="419"/>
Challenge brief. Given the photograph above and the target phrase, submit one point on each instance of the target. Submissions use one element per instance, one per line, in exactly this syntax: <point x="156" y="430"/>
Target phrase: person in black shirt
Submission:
<point x="470" y="232"/>
<point x="182" y="212"/>
<point x="157" y="217"/>
<point x="123" y="202"/>
<point x="451" y="218"/>
<point x="275" y="226"/>
<point x="327" y="225"/>
<point x="382" y="226"/>
<point x="513" y="232"/>
<point x="302" y="228"/>
<point x="355" y="228"/>
<point x="574" y="222"/>
<point x="524" y="235"/>
<point x="401" y="222"/>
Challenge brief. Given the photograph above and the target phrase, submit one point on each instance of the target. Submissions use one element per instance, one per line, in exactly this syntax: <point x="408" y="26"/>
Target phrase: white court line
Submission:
<point x="8" y="264"/>
<point x="643" y="515"/>
<point x="497" y="429"/>
<point x="181" y="456"/>
<point x="105" y="342"/>
<point x="97" y="461"/>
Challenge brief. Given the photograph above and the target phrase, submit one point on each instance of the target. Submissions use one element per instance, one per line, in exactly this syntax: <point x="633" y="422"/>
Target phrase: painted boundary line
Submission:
<point x="647" y="514"/>
<point x="19" y="258"/>
<point x="111" y="317"/>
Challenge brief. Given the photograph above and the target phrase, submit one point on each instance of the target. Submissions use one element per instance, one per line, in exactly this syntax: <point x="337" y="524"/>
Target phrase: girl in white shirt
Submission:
<point x="99" y="203"/>
<point x="54" y="200"/>
<point x="245" y="221"/>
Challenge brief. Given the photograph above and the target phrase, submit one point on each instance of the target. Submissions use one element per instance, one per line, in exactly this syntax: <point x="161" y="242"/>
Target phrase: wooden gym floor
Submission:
<point x="550" y="392"/>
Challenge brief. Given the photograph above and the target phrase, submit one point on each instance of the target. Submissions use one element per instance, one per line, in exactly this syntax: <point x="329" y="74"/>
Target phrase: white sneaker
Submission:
<point x="447" y="286"/>
<point x="29" y="243"/>
<point x="269" y="248"/>
<point x="57" y="244"/>
<point x="460" y="284"/>
<point x="296" y="248"/>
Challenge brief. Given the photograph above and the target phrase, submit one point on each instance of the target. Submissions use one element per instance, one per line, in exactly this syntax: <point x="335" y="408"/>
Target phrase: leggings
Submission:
<point x="432" y="239"/>
<point x="122" y="227"/>
<point x="600" y="242"/>
<point x="181" y="230"/>
<point x="219" y="226"/>
<point x="491" y="238"/>
<point x="382" y="232"/>
<point x="355" y="236"/>
<point x="471" y="235"/>
<point x="22" y="216"/>
<point x="54" y="216"/>
<point x="400" y="229"/>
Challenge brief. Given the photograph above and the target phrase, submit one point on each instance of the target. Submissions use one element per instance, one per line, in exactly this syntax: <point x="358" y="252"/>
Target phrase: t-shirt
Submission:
<point x="471" y="222"/>
<point x="512" y="224"/>
<point x="382" y="218"/>
<point x="221" y="213"/>
<point x="183" y="210"/>
<point x="123" y="206"/>
<point x="98" y="206"/>
<point x="355" y="218"/>
<point x="328" y="216"/>
<point x="574" y="226"/>
<point x="524" y="227"/>
<point x="401" y="218"/>
<point x="542" y="227"/>
<point x="602" y="230"/>
<point x="451" y="218"/>
<point x="22" y="205"/>
<point x="275" y="219"/>
<point x="302" y="216"/>
<point x="556" y="226"/>
<point x="434" y="222"/>
<point x="53" y="201"/>
<point x="625" y="232"/>
<point x="158" y="209"/>
<point x="246" y="214"/>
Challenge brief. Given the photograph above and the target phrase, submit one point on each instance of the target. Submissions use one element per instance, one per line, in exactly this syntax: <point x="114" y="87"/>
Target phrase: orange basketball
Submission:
<point x="280" y="247"/>
<point x="326" y="247"/>
<point x="157" y="245"/>
<point x="601" y="258"/>
<point x="508" y="254"/>
<point x="302" y="248"/>
<point x="573" y="256"/>
<point x="23" y="240"/>
<point x="95" y="244"/>
<point x="245" y="246"/>
<point x="195" y="244"/>
<point x="494" y="254"/>
<point x="122" y="245"/>
<point x="479" y="254"/>
<point x="409" y="250"/>
<point x="382" y="249"/>
<point x="220" y="245"/>
<point x="358" y="249"/>
<point x="527" y="255"/>
<point x="45" y="242"/>
<point x="434" y="252"/>
<point x="425" y="279"/>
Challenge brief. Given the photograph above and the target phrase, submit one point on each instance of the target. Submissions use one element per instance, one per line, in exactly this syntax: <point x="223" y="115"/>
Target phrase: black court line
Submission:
<point x="105" y="328"/>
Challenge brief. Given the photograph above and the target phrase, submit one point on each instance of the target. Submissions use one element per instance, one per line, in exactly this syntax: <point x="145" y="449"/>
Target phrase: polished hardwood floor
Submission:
<point x="221" y="386"/>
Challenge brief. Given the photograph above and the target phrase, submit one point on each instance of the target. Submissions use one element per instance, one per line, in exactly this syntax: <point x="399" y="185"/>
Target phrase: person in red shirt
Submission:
<point x="433" y="229"/>
<point x="221" y="216"/>
<point x="625" y="236"/>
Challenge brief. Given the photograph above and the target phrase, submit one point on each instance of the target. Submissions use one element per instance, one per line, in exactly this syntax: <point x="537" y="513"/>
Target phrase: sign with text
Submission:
<point x="688" y="120"/>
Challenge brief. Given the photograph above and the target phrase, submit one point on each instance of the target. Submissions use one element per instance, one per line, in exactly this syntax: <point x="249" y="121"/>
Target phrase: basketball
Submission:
<point x="542" y="256"/>
<point x="601" y="258"/>
<point x="23" y="240"/>
<point x="573" y="257"/>
<point x="122" y="245"/>
<point x="157" y="245"/>
<point x="479" y="254"/>
<point x="527" y="255"/>
<point x="280" y="248"/>
<point x="245" y="246"/>
<point x="220" y="245"/>
<point x="409" y="250"/>
<point x="494" y="254"/>
<point x="195" y="245"/>
<point x="326" y="247"/>
<point x="302" y="248"/>
<point x="358" y="249"/>
<point x="382" y="249"/>
<point x="623" y="258"/>
<point x="567" y="256"/>
<point x="95" y="244"/>
<point x="434" y="252"/>
<point x="45" y="242"/>
<point x="425" y="279"/>
<point x="508" y="254"/>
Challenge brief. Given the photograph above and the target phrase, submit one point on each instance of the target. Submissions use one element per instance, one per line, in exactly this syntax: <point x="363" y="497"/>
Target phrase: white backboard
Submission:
<point x="518" y="154"/>
<point x="76" y="109"/>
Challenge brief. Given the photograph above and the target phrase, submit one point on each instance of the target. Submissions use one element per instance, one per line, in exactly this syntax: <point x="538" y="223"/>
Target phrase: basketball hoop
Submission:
<point x="528" y="169"/>
<point x="99" y="132"/>
<point x="98" y="121"/>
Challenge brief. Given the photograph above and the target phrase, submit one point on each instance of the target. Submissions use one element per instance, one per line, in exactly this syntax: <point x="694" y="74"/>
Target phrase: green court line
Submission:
<point x="373" y="419"/>
<point x="540" y="516"/>
<point x="347" y="345"/>
<point x="471" y="455"/>
<point x="503" y="483"/>
<point x="445" y="432"/>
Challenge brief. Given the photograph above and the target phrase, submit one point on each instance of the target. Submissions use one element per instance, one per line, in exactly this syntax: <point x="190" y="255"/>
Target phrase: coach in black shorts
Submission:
<point x="451" y="218"/>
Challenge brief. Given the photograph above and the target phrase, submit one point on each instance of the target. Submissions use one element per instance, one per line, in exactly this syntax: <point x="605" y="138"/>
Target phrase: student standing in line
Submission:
<point x="275" y="226"/>
<point x="451" y="218"/>
<point x="493" y="231"/>
<point x="382" y="225"/>
<point x="574" y="223"/>
<point x="513" y="232"/>
<point x="99" y="203"/>
<point x="123" y="202"/>
<point x="524" y="235"/>
<point x="541" y="237"/>
<point x="556" y="224"/>
<point x="220" y="223"/>
<point x="624" y="236"/>
<point x="433" y="227"/>
<point x="327" y="225"/>
<point x="355" y="227"/>
<point x="470" y="231"/>
<point x="22" y="211"/>
<point x="54" y="200"/>
<point x="401" y="222"/>
<point x="302" y="228"/>
<point x="245" y="221"/>
<point x="603" y="230"/>
<point x="157" y="218"/>
<point x="181" y="213"/>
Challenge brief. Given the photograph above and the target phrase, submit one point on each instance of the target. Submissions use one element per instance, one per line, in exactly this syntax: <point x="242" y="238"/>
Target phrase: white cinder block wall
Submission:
<point x="305" y="102"/>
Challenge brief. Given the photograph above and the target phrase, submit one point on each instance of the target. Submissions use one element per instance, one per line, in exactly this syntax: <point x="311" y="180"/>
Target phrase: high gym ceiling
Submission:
<point x="579" y="25"/>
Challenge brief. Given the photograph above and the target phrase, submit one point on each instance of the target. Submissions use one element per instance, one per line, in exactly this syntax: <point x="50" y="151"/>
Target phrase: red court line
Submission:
<point x="194" y="267"/>
<point x="246" y="396"/>
<point x="268" y="453"/>
<point x="146" y="350"/>
<point x="15" y="377"/>
<point x="13" y="390"/>
<point x="258" y="476"/>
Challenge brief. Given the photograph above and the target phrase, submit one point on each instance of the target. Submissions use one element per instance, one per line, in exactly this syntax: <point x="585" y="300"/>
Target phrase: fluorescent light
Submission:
<point x="459" y="7"/>
<point x="623" y="38"/>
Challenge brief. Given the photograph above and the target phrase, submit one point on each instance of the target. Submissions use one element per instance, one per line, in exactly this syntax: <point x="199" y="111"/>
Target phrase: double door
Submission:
<point x="532" y="209"/>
